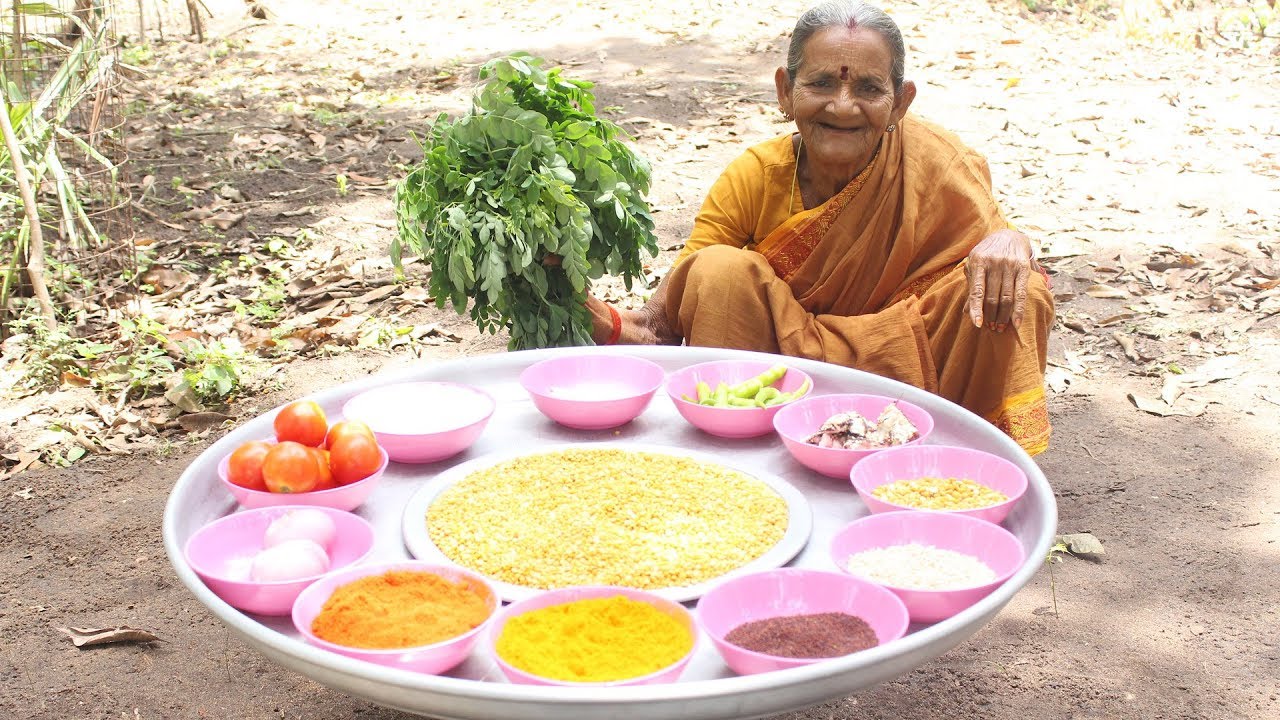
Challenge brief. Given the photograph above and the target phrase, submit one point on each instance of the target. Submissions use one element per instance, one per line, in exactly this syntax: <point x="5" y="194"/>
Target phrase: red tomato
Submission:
<point x="322" y="466"/>
<point x="353" y="458"/>
<point x="290" y="467"/>
<point x="302" y="422"/>
<point x="345" y="429"/>
<point x="244" y="468"/>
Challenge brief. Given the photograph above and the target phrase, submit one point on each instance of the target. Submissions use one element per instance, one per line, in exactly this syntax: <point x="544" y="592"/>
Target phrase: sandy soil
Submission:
<point x="1111" y="152"/>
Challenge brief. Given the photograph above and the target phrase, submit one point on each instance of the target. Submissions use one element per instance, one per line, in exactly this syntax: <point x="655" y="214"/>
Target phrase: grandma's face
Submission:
<point x="842" y="98"/>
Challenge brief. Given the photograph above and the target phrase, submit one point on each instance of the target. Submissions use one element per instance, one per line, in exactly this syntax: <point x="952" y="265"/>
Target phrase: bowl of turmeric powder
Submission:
<point x="593" y="635"/>
<point x="409" y="615"/>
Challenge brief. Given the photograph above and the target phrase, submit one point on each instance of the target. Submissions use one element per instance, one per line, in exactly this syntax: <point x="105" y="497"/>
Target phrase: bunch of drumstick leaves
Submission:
<point x="519" y="203"/>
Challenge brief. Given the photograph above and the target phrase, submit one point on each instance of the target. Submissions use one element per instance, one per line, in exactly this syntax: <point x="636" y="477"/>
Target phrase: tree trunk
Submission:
<point x="197" y="25"/>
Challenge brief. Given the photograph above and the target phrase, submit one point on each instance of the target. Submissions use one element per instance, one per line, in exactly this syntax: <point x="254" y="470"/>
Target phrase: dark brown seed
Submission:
<point x="821" y="635"/>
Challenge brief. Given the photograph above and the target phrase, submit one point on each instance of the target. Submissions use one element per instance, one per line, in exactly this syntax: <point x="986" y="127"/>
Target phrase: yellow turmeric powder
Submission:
<point x="400" y="609"/>
<point x="594" y="640"/>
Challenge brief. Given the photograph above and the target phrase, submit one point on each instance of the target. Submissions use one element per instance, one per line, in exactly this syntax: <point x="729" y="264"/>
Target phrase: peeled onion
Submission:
<point x="290" y="560"/>
<point x="313" y="525"/>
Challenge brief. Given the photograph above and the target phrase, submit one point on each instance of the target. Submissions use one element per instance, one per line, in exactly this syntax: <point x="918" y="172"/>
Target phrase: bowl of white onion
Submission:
<point x="260" y="560"/>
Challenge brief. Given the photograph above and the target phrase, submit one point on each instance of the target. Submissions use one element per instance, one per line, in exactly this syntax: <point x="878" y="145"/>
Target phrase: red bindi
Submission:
<point x="844" y="72"/>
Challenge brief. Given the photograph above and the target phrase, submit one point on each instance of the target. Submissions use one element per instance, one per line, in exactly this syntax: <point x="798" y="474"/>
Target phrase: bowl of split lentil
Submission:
<point x="601" y="636"/>
<point x="785" y="618"/>
<point x="409" y="615"/>
<point x="937" y="563"/>
<point x="940" y="478"/>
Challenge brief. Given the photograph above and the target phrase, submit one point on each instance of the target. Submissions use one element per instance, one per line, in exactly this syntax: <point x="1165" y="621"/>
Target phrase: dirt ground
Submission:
<point x="1147" y="166"/>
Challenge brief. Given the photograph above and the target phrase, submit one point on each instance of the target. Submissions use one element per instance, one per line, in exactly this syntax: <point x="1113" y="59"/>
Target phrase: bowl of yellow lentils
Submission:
<point x="940" y="478"/>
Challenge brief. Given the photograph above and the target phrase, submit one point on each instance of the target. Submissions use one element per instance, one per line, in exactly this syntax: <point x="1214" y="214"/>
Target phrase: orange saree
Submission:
<point x="872" y="279"/>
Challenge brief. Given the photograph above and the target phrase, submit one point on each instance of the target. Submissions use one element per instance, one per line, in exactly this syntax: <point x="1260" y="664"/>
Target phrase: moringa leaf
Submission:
<point x="528" y="172"/>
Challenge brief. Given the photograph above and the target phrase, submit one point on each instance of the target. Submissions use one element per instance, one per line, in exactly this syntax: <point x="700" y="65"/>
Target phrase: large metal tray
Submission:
<point x="476" y="690"/>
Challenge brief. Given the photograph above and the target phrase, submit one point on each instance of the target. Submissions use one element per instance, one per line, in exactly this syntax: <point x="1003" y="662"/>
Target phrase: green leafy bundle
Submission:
<point x="528" y="172"/>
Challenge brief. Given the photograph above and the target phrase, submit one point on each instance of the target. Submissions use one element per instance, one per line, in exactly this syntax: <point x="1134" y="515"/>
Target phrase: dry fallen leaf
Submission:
<point x="24" y="460"/>
<point x="1106" y="292"/>
<point x="223" y="220"/>
<point x="1058" y="379"/>
<point x="1172" y="389"/>
<point x="1126" y="343"/>
<point x="74" y="379"/>
<point x="1084" y="544"/>
<point x="1192" y="408"/>
<point x="196" y="422"/>
<point x="85" y="637"/>
<point x="365" y="179"/>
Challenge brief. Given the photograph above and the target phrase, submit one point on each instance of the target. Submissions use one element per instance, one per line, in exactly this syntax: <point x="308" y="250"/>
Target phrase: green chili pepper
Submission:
<point x="748" y="389"/>
<point x="765" y="395"/>
<point x="798" y="393"/>
<point x="704" y="392"/>
<point x="721" y="396"/>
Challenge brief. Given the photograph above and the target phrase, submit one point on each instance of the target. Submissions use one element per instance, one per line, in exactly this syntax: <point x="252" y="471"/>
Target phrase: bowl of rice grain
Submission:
<point x="937" y="563"/>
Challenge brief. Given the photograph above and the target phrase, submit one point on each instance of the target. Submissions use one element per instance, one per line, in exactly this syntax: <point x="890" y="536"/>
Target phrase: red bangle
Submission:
<point x="617" y="326"/>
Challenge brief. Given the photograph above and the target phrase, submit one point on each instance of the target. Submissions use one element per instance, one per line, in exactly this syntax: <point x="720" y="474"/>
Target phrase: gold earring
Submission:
<point x="891" y="128"/>
<point x="785" y="115"/>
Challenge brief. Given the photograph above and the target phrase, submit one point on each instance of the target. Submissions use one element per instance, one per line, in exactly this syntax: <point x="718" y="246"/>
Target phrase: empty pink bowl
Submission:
<point x="343" y="497"/>
<point x="730" y="422"/>
<point x="793" y="591"/>
<point x="222" y="551"/>
<point x="572" y="594"/>
<point x="592" y="392"/>
<point x="422" y="422"/>
<point x="801" y="419"/>
<point x="430" y="659"/>
<point x="992" y="544"/>
<point x="940" y="461"/>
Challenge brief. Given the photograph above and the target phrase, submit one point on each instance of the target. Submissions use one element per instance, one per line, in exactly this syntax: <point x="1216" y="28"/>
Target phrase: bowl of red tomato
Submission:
<point x="309" y="462"/>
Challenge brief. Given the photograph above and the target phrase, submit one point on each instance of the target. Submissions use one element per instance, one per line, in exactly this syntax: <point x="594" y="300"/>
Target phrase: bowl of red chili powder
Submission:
<point x="790" y="617"/>
<point x="409" y="615"/>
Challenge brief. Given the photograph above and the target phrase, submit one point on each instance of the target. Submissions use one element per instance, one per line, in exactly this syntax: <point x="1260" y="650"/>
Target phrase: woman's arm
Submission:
<point x="645" y="326"/>
<point x="999" y="270"/>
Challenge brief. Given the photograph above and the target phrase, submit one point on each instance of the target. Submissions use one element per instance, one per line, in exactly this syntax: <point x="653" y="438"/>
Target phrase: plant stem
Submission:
<point x="1053" y="591"/>
<point x="35" y="249"/>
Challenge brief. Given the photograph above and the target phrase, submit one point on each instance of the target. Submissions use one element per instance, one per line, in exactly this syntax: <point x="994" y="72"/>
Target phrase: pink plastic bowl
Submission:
<point x="801" y="419"/>
<point x="991" y="544"/>
<point x="793" y="591"/>
<point x="592" y="392"/>
<point x="220" y="553"/>
<point x="729" y="422"/>
<point x="423" y="422"/>
<point x="430" y="659"/>
<point x="912" y="463"/>
<point x="568" y="595"/>
<point x="344" y="497"/>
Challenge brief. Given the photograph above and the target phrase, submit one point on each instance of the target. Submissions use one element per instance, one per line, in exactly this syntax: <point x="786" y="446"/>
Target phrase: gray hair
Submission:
<point x="843" y="13"/>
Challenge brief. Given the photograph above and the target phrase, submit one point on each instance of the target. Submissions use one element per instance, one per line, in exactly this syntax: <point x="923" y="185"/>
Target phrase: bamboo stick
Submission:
<point x="35" y="248"/>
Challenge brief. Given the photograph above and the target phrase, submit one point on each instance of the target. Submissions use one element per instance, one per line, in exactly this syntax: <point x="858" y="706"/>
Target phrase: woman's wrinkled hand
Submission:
<point x="645" y="326"/>
<point x="999" y="270"/>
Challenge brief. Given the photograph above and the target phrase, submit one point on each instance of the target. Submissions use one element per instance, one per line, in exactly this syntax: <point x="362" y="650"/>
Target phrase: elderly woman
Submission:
<point x="868" y="238"/>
